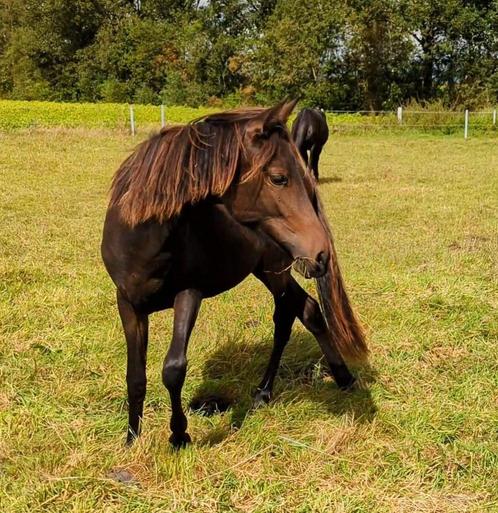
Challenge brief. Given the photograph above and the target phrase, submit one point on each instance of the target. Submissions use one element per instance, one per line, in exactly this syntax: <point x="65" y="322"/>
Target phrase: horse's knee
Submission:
<point x="283" y="319"/>
<point x="312" y="316"/>
<point x="173" y="374"/>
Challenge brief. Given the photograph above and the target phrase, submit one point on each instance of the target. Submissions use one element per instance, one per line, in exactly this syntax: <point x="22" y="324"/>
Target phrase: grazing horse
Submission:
<point x="310" y="133"/>
<point x="195" y="210"/>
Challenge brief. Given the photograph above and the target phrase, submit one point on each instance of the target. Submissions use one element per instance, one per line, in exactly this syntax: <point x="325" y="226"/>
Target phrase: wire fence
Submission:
<point x="135" y="119"/>
<point x="348" y="121"/>
<point x="465" y="122"/>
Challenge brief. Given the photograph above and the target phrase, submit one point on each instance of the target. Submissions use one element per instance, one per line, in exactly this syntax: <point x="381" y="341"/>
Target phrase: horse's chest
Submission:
<point x="218" y="252"/>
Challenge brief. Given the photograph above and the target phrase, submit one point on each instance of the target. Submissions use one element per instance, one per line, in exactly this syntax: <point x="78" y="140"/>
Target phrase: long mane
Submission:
<point x="185" y="164"/>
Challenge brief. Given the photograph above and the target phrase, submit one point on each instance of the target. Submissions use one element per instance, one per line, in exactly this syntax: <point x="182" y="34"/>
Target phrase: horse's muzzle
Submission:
<point x="313" y="268"/>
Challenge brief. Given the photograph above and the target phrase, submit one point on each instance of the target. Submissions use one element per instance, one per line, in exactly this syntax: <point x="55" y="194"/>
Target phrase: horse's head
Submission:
<point x="279" y="197"/>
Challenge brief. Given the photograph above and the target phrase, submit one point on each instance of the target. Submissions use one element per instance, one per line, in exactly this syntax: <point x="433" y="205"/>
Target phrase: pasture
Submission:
<point x="416" y="229"/>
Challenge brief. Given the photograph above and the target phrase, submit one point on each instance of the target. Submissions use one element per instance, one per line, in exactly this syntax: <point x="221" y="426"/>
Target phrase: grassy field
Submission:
<point x="415" y="220"/>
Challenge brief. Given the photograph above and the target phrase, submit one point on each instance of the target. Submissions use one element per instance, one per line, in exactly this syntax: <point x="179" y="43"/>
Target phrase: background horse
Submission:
<point x="196" y="209"/>
<point x="310" y="133"/>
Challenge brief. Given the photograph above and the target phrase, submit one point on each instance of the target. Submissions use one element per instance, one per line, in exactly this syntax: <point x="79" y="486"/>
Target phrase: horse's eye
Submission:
<point x="280" y="180"/>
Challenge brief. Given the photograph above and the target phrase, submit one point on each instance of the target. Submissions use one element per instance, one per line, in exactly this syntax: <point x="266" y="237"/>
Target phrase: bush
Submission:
<point x="178" y="91"/>
<point x="112" y="90"/>
<point x="146" y="96"/>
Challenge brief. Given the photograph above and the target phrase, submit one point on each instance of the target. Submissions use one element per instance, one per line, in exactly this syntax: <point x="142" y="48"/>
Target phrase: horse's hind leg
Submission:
<point x="316" y="149"/>
<point x="186" y="307"/>
<point x="135" y="325"/>
<point x="303" y="151"/>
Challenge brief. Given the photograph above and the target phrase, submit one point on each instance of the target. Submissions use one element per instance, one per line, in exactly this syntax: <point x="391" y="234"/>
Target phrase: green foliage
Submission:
<point x="349" y="54"/>
<point x="21" y="114"/>
<point x="306" y="42"/>
<point x="178" y="91"/>
<point x="112" y="90"/>
<point x="146" y="95"/>
<point x="15" y="115"/>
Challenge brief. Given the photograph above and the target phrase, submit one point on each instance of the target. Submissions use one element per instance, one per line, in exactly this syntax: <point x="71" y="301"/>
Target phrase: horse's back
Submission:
<point x="310" y="128"/>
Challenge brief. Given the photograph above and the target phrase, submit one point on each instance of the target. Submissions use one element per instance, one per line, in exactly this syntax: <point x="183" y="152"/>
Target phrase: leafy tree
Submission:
<point x="456" y="46"/>
<point x="301" y="44"/>
<point x="346" y="54"/>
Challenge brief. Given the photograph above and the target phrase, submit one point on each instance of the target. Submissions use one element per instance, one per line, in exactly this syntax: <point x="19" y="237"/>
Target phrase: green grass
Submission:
<point x="416" y="230"/>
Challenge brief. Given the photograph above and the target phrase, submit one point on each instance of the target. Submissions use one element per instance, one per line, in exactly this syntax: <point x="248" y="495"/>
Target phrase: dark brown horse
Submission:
<point x="196" y="209"/>
<point x="310" y="133"/>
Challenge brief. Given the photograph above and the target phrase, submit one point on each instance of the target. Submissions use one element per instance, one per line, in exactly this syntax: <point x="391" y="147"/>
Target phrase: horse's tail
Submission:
<point x="295" y="127"/>
<point x="344" y="327"/>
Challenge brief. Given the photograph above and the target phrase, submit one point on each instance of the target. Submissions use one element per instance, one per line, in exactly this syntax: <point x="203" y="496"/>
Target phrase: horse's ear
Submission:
<point x="279" y="114"/>
<point x="270" y="118"/>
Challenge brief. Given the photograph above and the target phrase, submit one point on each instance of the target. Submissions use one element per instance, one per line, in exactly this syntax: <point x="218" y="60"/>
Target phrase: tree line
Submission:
<point x="337" y="54"/>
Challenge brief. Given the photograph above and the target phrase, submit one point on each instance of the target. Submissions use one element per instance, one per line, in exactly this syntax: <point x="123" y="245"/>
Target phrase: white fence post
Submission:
<point x="132" y="120"/>
<point x="466" y="124"/>
<point x="163" y="118"/>
<point x="400" y="115"/>
<point x="494" y="117"/>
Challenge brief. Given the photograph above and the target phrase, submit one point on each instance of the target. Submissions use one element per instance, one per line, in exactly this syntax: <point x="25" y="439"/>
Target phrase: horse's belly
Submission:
<point x="213" y="271"/>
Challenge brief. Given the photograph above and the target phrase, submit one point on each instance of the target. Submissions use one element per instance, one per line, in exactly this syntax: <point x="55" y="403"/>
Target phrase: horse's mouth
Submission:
<point x="305" y="266"/>
<point x="308" y="268"/>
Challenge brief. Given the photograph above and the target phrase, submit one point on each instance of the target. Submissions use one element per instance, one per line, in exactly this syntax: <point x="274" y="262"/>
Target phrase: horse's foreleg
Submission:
<point x="135" y="325"/>
<point x="186" y="307"/>
<point x="309" y="313"/>
<point x="283" y="318"/>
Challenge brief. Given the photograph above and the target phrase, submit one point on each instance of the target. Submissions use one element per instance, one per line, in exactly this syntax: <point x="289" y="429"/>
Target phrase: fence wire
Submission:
<point x="421" y="120"/>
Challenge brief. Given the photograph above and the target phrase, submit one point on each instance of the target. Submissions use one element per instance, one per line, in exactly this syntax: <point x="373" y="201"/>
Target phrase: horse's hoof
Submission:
<point x="131" y="437"/>
<point x="344" y="379"/>
<point x="262" y="398"/>
<point x="348" y="385"/>
<point x="179" y="440"/>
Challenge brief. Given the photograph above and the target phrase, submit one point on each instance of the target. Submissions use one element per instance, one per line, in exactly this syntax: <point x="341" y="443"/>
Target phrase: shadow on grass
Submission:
<point x="232" y="374"/>
<point x="329" y="179"/>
